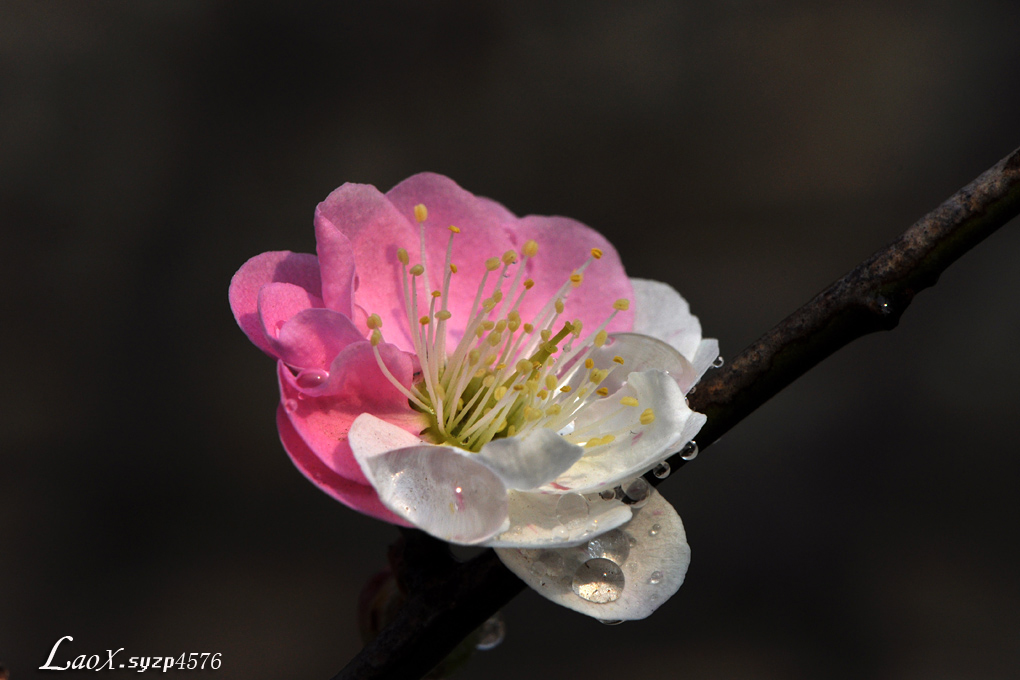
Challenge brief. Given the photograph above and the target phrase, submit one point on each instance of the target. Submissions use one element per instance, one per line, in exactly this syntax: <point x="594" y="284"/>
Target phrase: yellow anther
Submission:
<point x="523" y="366"/>
<point x="480" y="373"/>
<point x="596" y="253"/>
<point x="502" y="426"/>
<point x="474" y="356"/>
<point x="514" y="315"/>
<point x="488" y="380"/>
<point x="565" y="389"/>
<point x="421" y="213"/>
<point x="550" y="382"/>
<point x="499" y="392"/>
<point x="453" y="268"/>
<point x="618" y="360"/>
<point x="530" y="248"/>
<point x="460" y="404"/>
<point x="488" y="304"/>
<point x="576" y="278"/>
<point x="588" y="363"/>
<point x="479" y="331"/>
<point x="440" y="392"/>
<point x="602" y="391"/>
<point x="553" y="410"/>
<point x="497" y="295"/>
<point x="436" y="294"/>
<point x="376" y="338"/>
<point x="593" y="442"/>
<point x="528" y="284"/>
<point x="542" y="394"/>
<point x="629" y="401"/>
<point x="528" y="328"/>
<point x="647" y="417"/>
<point x="511" y="431"/>
<point x="490" y="359"/>
<point x="509" y="257"/>
<point x="598" y="375"/>
<point x="424" y="321"/>
<point x="501" y="325"/>
<point x="601" y="337"/>
<point x="518" y="387"/>
<point x="621" y="305"/>
<point x="443" y="314"/>
<point x="373" y="322"/>
<point x="488" y="325"/>
<point x="495" y="337"/>
<point x="492" y="264"/>
<point x="531" y="413"/>
<point x="513" y="325"/>
<point x="417" y="270"/>
<point x="608" y="439"/>
<point x="546" y="334"/>
<point x="455" y="230"/>
<point x="559" y="306"/>
<point x="402" y="256"/>
<point x="532" y="386"/>
<point x="500" y="367"/>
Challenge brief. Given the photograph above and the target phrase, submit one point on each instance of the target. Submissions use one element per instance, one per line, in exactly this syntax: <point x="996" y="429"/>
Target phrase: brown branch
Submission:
<point x="445" y="605"/>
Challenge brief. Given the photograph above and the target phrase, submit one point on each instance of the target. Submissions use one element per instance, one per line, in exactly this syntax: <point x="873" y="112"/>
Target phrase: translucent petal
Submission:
<point x="652" y="568"/>
<point x="528" y="462"/>
<point x="661" y="312"/>
<point x="642" y="353"/>
<point x="636" y="447"/>
<point x="542" y="520"/>
<point x="439" y="489"/>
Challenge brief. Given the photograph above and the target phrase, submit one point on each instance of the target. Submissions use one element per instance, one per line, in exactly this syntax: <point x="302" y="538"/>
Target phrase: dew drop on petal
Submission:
<point x="718" y="363"/>
<point x="613" y="545"/>
<point x="607" y="494"/>
<point x="610" y="622"/>
<point x="491" y="633"/>
<point x="571" y="509"/>
<point x="654" y="530"/>
<point x="599" y="581"/>
<point x="655" y="578"/>
<point x="291" y="405"/>
<point x="311" y="378"/>
<point x="661" y="471"/>
<point x="636" y="492"/>
<point x="560" y="533"/>
<point x="689" y="451"/>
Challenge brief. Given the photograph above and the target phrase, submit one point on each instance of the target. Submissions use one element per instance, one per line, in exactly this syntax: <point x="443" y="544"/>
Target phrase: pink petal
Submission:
<point x="487" y="229"/>
<point x="314" y="337"/>
<point x="281" y="266"/>
<point x="360" y="497"/>
<point x="277" y="303"/>
<point x="358" y="219"/>
<point x="323" y="416"/>
<point x="563" y="246"/>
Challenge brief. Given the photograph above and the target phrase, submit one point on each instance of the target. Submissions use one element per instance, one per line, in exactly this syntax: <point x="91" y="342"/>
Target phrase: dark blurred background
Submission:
<point x="862" y="524"/>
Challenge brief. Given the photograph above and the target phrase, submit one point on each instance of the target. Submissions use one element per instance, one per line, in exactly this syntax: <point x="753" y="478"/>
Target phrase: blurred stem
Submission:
<point x="446" y="605"/>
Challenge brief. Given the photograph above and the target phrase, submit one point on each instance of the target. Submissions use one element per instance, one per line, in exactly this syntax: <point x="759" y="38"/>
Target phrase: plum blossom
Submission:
<point x="489" y="379"/>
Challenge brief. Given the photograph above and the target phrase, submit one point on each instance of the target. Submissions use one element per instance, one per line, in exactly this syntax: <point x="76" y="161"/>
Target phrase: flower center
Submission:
<point x="503" y="378"/>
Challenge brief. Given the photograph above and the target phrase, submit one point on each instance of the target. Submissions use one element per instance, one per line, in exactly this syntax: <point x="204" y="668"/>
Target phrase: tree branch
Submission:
<point x="446" y="605"/>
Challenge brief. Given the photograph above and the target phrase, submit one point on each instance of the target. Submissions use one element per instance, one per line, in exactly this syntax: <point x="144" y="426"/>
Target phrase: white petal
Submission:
<point x="540" y="520"/>
<point x="642" y="353"/>
<point x="707" y="352"/>
<point x="652" y="565"/>
<point x="639" y="447"/>
<point x="661" y="312"/>
<point x="529" y="461"/>
<point x="439" y="489"/>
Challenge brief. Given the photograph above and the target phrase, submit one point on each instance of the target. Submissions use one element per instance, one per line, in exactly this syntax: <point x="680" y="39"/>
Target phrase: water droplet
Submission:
<point x="610" y="622"/>
<point x="655" y="578"/>
<point x="599" y="581"/>
<point x="654" y="531"/>
<point x="884" y="305"/>
<point x="491" y="633"/>
<point x="689" y="451"/>
<point x="458" y="497"/>
<point x="718" y="363"/>
<point x="547" y="563"/>
<point x="311" y="378"/>
<point x="291" y="405"/>
<point x="612" y="545"/>
<point x="636" y="492"/>
<point x="661" y="471"/>
<point x="607" y="494"/>
<point x="560" y="533"/>
<point x="571" y="509"/>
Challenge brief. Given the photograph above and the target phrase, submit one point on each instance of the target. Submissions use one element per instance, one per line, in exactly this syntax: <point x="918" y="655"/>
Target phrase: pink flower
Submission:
<point x="488" y="378"/>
